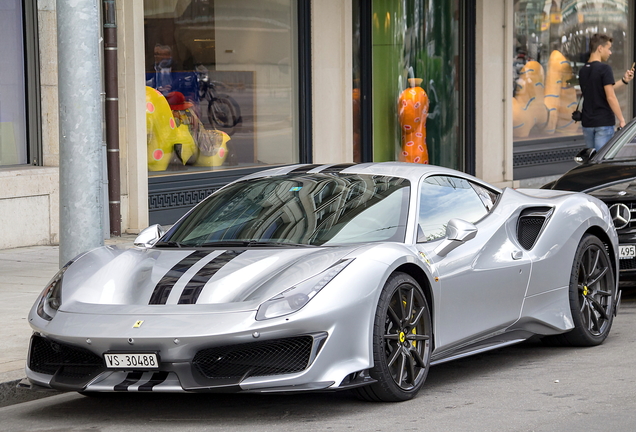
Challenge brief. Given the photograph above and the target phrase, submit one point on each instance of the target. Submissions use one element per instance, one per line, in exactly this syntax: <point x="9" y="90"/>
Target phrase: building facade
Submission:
<point x="210" y="90"/>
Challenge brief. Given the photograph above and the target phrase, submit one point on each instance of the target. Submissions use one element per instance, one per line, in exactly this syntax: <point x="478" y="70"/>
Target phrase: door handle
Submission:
<point x="517" y="255"/>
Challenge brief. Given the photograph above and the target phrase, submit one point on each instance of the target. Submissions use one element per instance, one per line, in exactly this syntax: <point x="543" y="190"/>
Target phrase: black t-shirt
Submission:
<point x="593" y="77"/>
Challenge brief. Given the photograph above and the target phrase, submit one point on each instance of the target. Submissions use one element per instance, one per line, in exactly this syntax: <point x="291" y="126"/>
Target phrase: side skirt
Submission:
<point x="477" y="348"/>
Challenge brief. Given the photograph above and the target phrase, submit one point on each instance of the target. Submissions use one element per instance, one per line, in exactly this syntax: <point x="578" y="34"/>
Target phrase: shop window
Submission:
<point x="221" y="84"/>
<point x="551" y="44"/>
<point x="13" y="127"/>
<point x="415" y="90"/>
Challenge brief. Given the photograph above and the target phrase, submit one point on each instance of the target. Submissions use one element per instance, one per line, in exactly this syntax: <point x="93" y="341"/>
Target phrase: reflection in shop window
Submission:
<point x="221" y="84"/>
<point x="551" y="44"/>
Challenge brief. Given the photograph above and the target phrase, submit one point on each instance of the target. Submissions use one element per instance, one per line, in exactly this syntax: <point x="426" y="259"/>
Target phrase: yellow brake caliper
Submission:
<point x="414" y="331"/>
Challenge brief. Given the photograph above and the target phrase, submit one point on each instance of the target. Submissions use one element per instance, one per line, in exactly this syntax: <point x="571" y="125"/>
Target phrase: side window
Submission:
<point x="488" y="197"/>
<point x="443" y="198"/>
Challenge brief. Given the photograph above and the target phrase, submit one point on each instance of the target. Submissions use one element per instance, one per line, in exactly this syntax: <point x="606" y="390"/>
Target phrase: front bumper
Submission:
<point x="71" y="368"/>
<point x="252" y="360"/>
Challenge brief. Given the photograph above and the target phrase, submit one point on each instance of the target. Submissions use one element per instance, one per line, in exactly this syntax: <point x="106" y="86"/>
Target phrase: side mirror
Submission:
<point x="149" y="236"/>
<point x="458" y="232"/>
<point x="584" y="155"/>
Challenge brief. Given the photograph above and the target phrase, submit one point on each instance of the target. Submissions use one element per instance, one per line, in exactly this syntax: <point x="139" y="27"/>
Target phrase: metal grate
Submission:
<point x="532" y="158"/>
<point x="528" y="230"/>
<point x="273" y="357"/>
<point x="49" y="357"/>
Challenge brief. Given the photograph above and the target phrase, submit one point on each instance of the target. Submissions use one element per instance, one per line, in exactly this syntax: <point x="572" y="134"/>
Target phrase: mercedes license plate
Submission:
<point x="145" y="361"/>
<point x="626" y="252"/>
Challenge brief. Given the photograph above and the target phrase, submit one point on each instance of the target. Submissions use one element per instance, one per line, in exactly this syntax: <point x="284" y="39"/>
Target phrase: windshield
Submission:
<point x="624" y="147"/>
<point x="303" y="209"/>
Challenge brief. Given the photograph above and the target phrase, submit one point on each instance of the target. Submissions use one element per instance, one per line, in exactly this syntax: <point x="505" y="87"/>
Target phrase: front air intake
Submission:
<point x="273" y="357"/>
<point x="68" y="363"/>
<point x="530" y="224"/>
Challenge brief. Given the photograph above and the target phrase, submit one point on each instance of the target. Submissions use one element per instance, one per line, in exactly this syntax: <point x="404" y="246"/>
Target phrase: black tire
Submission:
<point x="402" y="342"/>
<point x="222" y="113"/>
<point x="592" y="287"/>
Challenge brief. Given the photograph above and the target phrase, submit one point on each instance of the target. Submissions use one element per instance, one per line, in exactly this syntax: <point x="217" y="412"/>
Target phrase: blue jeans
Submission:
<point x="596" y="137"/>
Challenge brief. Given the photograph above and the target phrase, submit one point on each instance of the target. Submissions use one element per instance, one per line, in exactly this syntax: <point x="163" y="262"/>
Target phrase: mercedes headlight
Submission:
<point x="296" y="297"/>
<point x="51" y="298"/>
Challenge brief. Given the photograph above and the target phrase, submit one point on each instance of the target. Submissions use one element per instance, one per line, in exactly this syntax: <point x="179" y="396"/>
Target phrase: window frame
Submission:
<point x="32" y="84"/>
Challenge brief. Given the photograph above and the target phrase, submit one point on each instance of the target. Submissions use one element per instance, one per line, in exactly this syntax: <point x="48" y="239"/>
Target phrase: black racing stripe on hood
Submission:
<point x="157" y="378"/>
<point x="131" y="378"/>
<point x="163" y="288"/>
<point x="193" y="289"/>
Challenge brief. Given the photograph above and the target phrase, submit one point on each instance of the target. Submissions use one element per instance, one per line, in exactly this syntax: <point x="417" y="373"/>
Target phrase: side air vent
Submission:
<point x="530" y="224"/>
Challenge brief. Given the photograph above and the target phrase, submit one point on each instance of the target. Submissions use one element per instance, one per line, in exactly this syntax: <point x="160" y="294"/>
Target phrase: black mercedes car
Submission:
<point x="610" y="175"/>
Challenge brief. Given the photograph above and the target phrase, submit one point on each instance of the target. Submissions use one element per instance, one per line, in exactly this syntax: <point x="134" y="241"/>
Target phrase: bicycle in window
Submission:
<point x="223" y="111"/>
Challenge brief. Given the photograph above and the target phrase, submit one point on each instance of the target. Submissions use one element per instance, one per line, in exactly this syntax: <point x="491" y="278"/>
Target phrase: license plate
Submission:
<point x="626" y="252"/>
<point x="145" y="361"/>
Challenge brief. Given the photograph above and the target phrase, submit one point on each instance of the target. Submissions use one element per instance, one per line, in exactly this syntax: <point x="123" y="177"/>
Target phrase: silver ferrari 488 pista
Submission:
<point x="333" y="277"/>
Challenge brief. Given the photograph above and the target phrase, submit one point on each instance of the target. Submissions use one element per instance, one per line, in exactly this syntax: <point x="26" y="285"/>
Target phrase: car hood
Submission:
<point x="592" y="177"/>
<point x="110" y="280"/>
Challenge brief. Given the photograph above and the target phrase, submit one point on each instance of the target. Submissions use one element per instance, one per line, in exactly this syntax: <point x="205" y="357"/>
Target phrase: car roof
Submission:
<point x="411" y="171"/>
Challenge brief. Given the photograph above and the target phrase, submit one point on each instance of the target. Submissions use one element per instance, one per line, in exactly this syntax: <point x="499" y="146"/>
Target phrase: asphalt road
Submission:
<point x="526" y="387"/>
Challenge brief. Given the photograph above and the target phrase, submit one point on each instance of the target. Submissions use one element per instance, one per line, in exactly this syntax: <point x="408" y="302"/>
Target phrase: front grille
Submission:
<point x="273" y="357"/>
<point x="52" y="358"/>
<point x="628" y="264"/>
<point x="632" y="210"/>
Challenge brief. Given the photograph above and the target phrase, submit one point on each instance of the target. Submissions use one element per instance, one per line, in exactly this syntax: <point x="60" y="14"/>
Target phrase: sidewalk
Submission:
<point x="23" y="274"/>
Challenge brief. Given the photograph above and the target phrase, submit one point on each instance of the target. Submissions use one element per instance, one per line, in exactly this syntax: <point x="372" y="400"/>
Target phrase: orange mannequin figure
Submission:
<point x="412" y="112"/>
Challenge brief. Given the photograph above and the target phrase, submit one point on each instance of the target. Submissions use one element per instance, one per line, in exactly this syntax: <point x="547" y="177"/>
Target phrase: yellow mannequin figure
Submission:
<point x="528" y="108"/>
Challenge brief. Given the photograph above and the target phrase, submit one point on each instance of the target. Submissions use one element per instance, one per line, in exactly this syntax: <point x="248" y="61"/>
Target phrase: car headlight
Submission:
<point x="296" y="297"/>
<point x="51" y="298"/>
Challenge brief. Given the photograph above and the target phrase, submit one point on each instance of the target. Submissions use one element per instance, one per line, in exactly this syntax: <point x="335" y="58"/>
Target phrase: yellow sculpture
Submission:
<point x="568" y="101"/>
<point x="210" y="144"/>
<point x="558" y="67"/>
<point x="217" y="153"/>
<point x="172" y="127"/>
<point x="544" y="105"/>
<point x="163" y="133"/>
<point x="528" y="108"/>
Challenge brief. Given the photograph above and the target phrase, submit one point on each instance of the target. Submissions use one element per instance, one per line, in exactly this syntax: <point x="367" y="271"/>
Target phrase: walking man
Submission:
<point x="600" y="105"/>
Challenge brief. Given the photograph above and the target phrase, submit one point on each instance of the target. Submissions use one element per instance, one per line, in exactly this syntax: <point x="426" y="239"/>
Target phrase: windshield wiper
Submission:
<point x="251" y="243"/>
<point x="169" y="244"/>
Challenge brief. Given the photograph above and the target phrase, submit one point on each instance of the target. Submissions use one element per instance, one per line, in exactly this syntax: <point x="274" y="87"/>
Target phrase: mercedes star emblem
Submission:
<point x="620" y="215"/>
